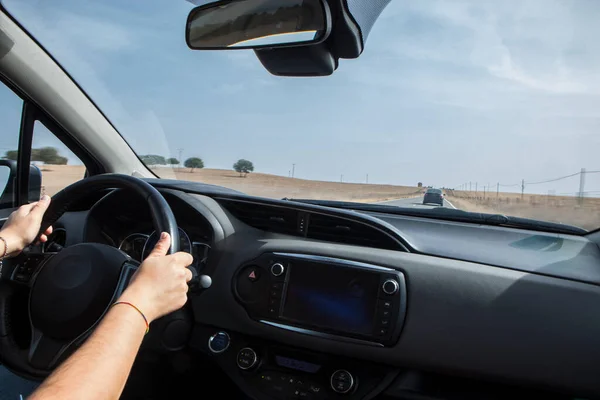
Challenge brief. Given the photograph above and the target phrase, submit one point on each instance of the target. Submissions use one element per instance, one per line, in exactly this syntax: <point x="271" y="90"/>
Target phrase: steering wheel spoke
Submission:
<point x="24" y="267"/>
<point x="45" y="351"/>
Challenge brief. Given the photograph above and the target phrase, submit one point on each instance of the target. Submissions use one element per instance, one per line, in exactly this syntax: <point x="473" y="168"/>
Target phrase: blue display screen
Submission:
<point x="297" y="364"/>
<point x="334" y="297"/>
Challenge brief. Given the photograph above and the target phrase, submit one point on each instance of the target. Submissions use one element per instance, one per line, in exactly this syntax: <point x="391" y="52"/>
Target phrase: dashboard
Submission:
<point x="314" y="302"/>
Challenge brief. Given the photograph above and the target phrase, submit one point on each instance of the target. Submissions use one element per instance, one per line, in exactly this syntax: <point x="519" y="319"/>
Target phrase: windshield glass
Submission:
<point x="496" y="103"/>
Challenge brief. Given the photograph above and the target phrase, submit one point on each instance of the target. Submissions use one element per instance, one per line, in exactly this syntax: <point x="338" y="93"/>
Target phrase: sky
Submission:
<point x="446" y="92"/>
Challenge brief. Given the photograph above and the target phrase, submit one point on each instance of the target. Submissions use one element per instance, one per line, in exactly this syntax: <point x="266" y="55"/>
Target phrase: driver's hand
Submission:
<point x="160" y="284"/>
<point x="23" y="225"/>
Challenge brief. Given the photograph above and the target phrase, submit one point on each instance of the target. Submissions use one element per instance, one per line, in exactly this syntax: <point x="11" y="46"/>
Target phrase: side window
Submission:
<point x="59" y="166"/>
<point x="11" y="107"/>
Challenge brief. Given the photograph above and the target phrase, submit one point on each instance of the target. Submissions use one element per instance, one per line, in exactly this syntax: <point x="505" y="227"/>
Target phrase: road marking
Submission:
<point x="451" y="205"/>
<point x="391" y="201"/>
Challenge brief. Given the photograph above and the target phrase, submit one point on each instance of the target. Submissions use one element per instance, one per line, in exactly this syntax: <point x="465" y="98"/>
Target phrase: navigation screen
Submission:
<point x="333" y="297"/>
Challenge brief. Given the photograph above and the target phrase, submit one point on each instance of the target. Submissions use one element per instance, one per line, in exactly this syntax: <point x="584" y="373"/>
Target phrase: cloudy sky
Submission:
<point x="446" y="92"/>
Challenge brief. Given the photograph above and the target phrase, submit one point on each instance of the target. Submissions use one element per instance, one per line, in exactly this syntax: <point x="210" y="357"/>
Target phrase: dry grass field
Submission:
<point x="569" y="210"/>
<point x="55" y="177"/>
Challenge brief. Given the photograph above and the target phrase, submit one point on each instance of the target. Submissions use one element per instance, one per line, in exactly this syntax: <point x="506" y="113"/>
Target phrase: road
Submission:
<point x="414" y="202"/>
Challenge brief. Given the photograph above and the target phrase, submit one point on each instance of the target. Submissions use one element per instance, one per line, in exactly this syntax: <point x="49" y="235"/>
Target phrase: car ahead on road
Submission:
<point x="291" y="298"/>
<point x="433" y="196"/>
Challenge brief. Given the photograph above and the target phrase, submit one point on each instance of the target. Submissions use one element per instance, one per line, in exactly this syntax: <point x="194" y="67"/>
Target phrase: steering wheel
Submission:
<point x="71" y="290"/>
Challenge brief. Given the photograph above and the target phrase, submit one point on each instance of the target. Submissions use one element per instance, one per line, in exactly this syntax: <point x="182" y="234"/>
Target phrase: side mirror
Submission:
<point x="255" y="24"/>
<point x="8" y="179"/>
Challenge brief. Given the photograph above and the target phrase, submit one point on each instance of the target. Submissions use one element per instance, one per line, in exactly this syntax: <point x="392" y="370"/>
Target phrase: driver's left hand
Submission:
<point x="23" y="225"/>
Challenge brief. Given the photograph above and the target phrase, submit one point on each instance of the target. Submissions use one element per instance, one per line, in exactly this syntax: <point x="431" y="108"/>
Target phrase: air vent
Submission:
<point x="332" y="229"/>
<point x="312" y="225"/>
<point x="267" y="218"/>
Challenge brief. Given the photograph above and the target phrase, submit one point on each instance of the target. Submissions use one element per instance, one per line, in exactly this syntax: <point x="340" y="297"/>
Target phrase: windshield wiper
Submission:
<point x="452" y="215"/>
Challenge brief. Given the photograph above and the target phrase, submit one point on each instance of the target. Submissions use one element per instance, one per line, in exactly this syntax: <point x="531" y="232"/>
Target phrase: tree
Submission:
<point x="12" y="155"/>
<point x="48" y="155"/>
<point x="153" y="159"/>
<point x="243" y="167"/>
<point x="172" y="161"/>
<point x="194" y="162"/>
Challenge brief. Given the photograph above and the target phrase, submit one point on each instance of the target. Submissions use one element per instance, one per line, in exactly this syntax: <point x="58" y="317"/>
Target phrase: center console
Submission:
<point x="326" y="297"/>
<point x="264" y="370"/>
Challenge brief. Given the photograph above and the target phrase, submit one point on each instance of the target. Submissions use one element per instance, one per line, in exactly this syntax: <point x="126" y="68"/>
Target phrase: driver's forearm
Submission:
<point x="99" y="368"/>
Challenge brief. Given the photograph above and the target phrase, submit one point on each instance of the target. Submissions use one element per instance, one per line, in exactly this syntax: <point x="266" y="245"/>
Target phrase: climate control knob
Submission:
<point x="277" y="269"/>
<point x="390" y="287"/>
<point x="342" y="381"/>
<point x="246" y="358"/>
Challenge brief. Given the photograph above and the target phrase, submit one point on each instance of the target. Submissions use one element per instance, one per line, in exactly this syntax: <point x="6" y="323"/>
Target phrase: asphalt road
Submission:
<point x="414" y="202"/>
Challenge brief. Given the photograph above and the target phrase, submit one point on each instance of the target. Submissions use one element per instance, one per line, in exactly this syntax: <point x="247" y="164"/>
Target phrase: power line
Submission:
<point x="553" y="180"/>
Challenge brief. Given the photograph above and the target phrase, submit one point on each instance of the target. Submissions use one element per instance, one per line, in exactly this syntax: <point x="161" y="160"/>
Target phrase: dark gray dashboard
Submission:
<point x="498" y="304"/>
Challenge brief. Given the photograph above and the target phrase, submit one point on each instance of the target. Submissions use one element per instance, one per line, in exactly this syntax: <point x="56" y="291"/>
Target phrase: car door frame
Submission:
<point x="30" y="113"/>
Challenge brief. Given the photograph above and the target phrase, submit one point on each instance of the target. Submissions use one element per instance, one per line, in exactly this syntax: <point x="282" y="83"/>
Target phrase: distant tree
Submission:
<point x="11" y="155"/>
<point x="420" y="184"/>
<point x="243" y="167"/>
<point x="172" y="161"/>
<point x="48" y="155"/>
<point x="153" y="159"/>
<point x="193" y="162"/>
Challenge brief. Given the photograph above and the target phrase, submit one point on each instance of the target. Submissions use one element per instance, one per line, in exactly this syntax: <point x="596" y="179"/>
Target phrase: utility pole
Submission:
<point x="342" y="178"/>
<point x="180" y="151"/>
<point x="522" y="188"/>
<point x="484" y="192"/>
<point x="293" y="169"/>
<point x="475" y="188"/>
<point x="367" y="179"/>
<point x="497" y="193"/>
<point x="581" y="185"/>
<point x="470" y="186"/>
<point x="289" y="173"/>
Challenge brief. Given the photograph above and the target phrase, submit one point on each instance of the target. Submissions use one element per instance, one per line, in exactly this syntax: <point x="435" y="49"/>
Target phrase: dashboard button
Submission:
<point x="277" y="269"/>
<point x="246" y="358"/>
<point x="253" y="275"/>
<point x="277" y="286"/>
<point x="342" y="381"/>
<point x="382" y="332"/>
<point x="386" y="304"/>
<point x="390" y="287"/>
<point x="313" y="387"/>
<point x="385" y="313"/>
<point x="384" y="323"/>
<point x="275" y="293"/>
<point x="219" y="342"/>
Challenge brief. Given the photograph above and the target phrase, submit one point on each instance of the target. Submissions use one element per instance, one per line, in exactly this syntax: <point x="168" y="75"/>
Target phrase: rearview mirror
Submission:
<point x="255" y="24"/>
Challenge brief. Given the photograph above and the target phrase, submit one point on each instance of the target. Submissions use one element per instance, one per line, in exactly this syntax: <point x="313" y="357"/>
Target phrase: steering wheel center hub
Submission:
<point x="74" y="289"/>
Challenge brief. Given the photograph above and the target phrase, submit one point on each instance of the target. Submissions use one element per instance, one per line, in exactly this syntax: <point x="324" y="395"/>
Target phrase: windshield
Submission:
<point x="496" y="103"/>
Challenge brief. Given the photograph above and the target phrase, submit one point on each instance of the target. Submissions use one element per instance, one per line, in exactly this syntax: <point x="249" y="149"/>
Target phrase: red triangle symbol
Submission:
<point x="252" y="275"/>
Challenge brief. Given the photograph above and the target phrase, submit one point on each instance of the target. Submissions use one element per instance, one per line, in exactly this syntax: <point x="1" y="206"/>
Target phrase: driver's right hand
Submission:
<point x="159" y="286"/>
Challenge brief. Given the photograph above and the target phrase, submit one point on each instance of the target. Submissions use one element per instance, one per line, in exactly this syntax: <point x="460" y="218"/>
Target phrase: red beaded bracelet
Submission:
<point x="137" y="309"/>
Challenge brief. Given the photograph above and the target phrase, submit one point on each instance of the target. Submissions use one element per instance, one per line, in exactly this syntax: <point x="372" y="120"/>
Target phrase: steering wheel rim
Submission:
<point x="20" y="360"/>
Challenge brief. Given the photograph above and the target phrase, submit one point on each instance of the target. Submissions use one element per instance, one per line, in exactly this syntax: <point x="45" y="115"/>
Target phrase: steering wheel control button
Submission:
<point x="277" y="269"/>
<point x="246" y="358"/>
<point x="342" y="381"/>
<point x="219" y="342"/>
<point x="390" y="287"/>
